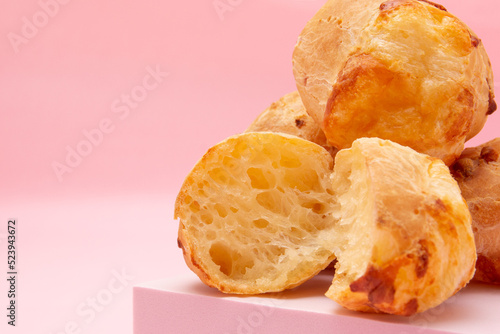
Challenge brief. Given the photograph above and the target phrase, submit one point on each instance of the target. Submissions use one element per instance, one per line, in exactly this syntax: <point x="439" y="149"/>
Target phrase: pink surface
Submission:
<point x="141" y="89"/>
<point x="184" y="305"/>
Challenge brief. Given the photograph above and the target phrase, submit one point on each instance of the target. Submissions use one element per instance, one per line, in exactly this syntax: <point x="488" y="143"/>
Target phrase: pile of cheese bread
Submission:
<point x="363" y="166"/>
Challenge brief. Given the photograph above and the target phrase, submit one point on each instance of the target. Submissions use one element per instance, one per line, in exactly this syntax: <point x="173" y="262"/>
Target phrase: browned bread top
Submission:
<point x="403" y="70"/>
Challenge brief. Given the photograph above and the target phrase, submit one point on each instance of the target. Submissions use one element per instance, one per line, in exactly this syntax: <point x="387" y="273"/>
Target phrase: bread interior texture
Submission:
<point x="262" y="210"/>
<point x="353" y="232"/>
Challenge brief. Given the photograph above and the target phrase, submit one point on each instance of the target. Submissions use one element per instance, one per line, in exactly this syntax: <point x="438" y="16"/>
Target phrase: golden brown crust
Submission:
<point x="492" y="105"/>
<point x="394" y="70"/>
<point x="441" y="7"/>
<point x="477" y="172"/>
<point x="323" y="47"/>
<point x="288" y="115"/>
<point x="377" y="284"/>
<point x="487" y="270"/>
<point x="410" y="242"/>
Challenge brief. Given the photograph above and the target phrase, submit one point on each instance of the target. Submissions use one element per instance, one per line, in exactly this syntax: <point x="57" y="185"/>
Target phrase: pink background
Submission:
<point x="113" y="211"/>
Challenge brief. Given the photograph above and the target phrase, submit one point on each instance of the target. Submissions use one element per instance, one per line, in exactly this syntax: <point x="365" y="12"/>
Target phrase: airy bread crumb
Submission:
<point x="256" y="213"/>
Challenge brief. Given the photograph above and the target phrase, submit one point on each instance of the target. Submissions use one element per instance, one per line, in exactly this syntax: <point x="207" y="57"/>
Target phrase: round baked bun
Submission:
<point x="288" y="115"/>
<point x="403" y="70"/>
<point x="404" y="241"/>
<point x="478" y="174"/>
<point x="256" y="213"/>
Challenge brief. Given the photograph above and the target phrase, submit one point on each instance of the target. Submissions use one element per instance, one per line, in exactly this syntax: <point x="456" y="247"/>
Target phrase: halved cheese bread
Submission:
<point x="263" y="212"/>
<point x="404" y="241"/>
<point x="256" y="213"/>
